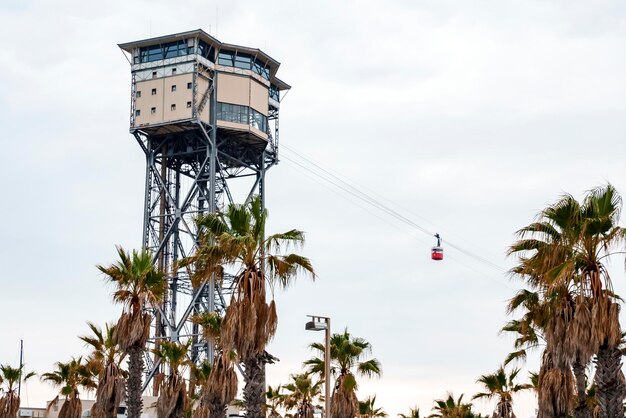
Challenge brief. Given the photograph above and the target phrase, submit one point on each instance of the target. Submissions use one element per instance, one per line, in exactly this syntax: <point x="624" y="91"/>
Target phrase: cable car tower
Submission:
<point x="205" y="114"/>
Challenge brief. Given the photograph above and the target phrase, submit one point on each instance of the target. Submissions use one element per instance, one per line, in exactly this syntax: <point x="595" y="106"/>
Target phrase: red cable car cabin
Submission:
<point x="437" y="252"/>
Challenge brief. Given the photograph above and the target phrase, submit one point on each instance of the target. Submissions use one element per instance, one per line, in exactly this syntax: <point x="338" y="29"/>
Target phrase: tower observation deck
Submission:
<point x="205" y="114"/>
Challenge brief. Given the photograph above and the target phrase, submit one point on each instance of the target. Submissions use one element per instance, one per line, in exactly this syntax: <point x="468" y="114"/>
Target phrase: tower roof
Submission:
<point x="271" y="62"/>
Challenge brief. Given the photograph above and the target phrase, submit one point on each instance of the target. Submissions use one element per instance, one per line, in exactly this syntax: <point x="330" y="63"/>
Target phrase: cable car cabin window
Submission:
<point x="226" y="58"/>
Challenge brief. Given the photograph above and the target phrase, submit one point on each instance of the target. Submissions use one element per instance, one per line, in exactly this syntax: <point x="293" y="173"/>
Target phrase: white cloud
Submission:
<point x="471" y="115"/>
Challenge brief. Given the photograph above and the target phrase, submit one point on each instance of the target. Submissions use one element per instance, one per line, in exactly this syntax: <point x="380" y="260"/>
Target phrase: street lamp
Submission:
<point x="319" y="323"/>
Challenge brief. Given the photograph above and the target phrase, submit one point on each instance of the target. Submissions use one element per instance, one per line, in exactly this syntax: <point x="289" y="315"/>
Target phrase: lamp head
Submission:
<point x="315" y="325"/>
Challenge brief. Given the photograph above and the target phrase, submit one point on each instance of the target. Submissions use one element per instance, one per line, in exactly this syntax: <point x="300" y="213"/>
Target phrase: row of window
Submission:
<point x="172" y="87"/>
<point x="241" y="114"/>
<point x="229" y="113"/>
<point x="274" y="93"/>
<point x="243" y="61"/>
<point x="182" y="48"/>
<point x="154" y="109"/>
<point x="164" y="51"/>
<point x="155" y="74"/>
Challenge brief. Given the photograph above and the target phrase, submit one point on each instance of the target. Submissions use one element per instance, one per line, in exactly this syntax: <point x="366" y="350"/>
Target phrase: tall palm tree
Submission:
<point x="217" y="381"/>
<point x="70" y="377"/>
<point x="554" y="388"/>
<point x="550" y="309"/>
<point x="10" y="378"/>
<point x="172" y="401"/>
<point x="347" y="359"/>
<point x="138" y="286"/>
<point x="367" y="409"/>
<point x="501" y="386"/>
<point x="300" y="395"/>
<point x="600" y="234"/>
<point x="237" y="238"/>
<point x="413" y="413"/>
<point x="107" y="358"/>
<point x="567" y="245"/>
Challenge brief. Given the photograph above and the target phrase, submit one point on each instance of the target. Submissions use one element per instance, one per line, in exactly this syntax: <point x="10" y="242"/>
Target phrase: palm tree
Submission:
<point x="368" y="410"/>
<point x="218" y="381"/>
<point x="551" y="307"/>
<point x="413" y="413"/>
<point x="451" y="408"/>
<point x="567" y="245"/>
<point x="198" y="376"/>
<point x="237" y="238"/>
<point x="139" y="285"/>
<point x="275" y="399"/>
<point x="346" y="355"/>
<point x="554" y="388"/>
<point x="172" y="401"/>
<point x="600" y="234"/>
<point x="70" y="377"/>
<point x="107" y="359"/>
<point x="501" y="386"/>
<point x="529" y="329"/>
<point x="10" y="378"/>
<point x="301" y="393"/>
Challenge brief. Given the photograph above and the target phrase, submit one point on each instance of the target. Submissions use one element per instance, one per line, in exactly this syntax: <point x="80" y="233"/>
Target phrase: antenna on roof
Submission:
<point x="217" y="10"/>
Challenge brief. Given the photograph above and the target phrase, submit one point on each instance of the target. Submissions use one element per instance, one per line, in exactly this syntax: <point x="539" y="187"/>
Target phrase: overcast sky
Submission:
<point x="470" y="116"/>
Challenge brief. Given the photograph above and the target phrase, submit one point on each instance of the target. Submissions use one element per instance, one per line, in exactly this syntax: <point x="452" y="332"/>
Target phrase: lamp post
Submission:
<point x="319" y="323"/>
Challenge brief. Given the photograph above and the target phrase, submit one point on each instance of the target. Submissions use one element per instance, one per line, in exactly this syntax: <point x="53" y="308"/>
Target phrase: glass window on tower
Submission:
<point x="226" y="58"/>
<point x="206" y="50"/>
<point x="243" y="61"/>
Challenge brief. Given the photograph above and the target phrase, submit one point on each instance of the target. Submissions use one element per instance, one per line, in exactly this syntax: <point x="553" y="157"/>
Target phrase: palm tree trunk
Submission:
<point x="134" y="402"/>
<point x="254" y="389"/>
<point x="72" y="407"/>
<point x="110" y="392"/>
<point x="9" y="405"/>
<point x="555" y="389"/>
<point x="610" y="385"/>
<point x="581" y="410"/>
<point x="344" y="403"/>
<point x="217" y="410"/>
<point x="211" y="405"/>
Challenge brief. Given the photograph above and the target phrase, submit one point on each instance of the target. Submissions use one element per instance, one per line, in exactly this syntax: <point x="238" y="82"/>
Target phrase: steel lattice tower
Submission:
<point x="205" y="115"/>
